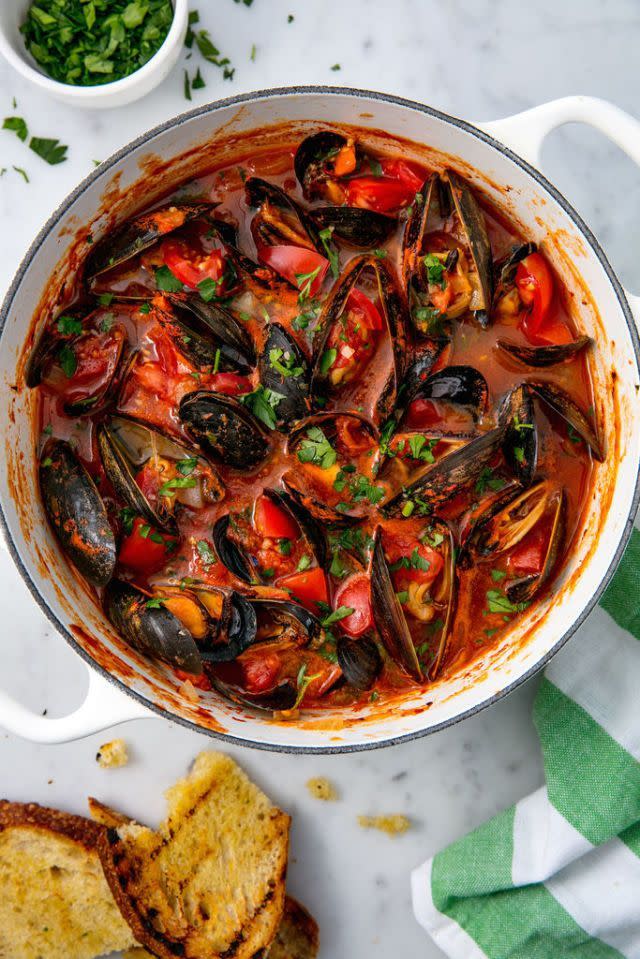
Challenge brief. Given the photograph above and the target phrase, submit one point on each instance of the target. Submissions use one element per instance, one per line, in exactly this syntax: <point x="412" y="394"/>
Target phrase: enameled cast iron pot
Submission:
<point x="124" y="685"/>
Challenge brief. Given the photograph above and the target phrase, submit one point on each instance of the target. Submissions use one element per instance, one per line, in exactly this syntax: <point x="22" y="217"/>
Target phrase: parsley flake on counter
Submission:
<point x="17" y="125"/>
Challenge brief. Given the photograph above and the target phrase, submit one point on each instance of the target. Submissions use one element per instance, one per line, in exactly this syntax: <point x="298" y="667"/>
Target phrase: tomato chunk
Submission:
<point x="304" y="269"/>
<point x="535" y="286"/>
<point x="272" y="521"/>
<point x="190" y="266"/>
<point x="527" y="558"/>
<point x="355" y="594"/>
<point x="308" y="587"/>
<point x="232" y="384"/>
<point x="396" y="188"/>
<point x="260" y="671"/>
<point x="145" y="549"/>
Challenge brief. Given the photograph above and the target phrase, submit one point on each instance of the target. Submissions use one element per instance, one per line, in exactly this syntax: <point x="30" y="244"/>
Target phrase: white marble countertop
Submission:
<point x="478" y="59"/>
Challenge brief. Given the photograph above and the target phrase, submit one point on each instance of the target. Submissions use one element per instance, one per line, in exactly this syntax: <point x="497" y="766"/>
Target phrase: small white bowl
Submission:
<point x="12" y="47"/>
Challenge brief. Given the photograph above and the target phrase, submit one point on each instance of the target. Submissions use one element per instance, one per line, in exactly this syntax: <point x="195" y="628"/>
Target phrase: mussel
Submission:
<point x="448" y="476"/>
<point x="231" y="554"/>
<point x="128" y="447"/>
<point x="281" y="698"/>
<point x="461" y="385"/>
<point x="150" y="627"/>
<point x="520" y="442"/>
<point x="139" y="234"/>
<point x="418" y="371"/>
<point x="561" y="403"/>
<point x="322" y="486"/>
<point x="77" y="513"/>
<point x="238" y="630"/>
<point x="523" y="590"/>
<point x="506" y="520"/>
<point x="284" y="369"/>
<point x="447" y="272"/>
<point x="348" y="339"/>
<point x="505" y="275"/>
<point x="355" y="225"/>
<point x="314" y="162"/>
<point x="360" y="661"/>
<point x="224" y="427"/>
<point x="206" y="328"/>
<point x="280" y="219"/>
<point x="388" y="615"/>
<point x="543" y="356"/>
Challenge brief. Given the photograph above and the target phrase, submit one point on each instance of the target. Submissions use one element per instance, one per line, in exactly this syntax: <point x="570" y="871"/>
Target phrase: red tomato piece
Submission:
<point x="270" y="520"/>
<point x="308" y="587"/>
<point x="295" y="263"/>
<point x="200" y="682"/>
<point x="145" y="549"/>
<point x="535" y="286"/>
<point x="232" y="384"/>
<point x="421" y="414"/>
<point x="552" y="332"/>
<point x="94" y="358"/>
<point x="413" y="556"/>
<point x="189" y="266"/>
<point x="358" y="302"/>
<point x="527" y="557"/>
<point x="355" y="593"/>
<point x="260" y="671"/>
<point x="396" y="188"/>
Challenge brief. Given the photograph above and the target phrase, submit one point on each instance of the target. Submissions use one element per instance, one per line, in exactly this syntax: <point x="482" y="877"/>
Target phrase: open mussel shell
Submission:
<point x="139" y="234"/>
<point x="523" y="590"/>
<point x="311" y="531"/>
<point x="231" y="553"/>
<point x="236" y="345"/>
<point x="506" y="520"/>
<point x="395" y="328"/>
<point x="355" y="225"/>
<point x="359" y="660"/>
<point x="49" y="340"/>
<point x="224" y="427"/>
<point x="77" y="513"/>
<point x="461" y="385"/>
<point x="151" y="628"/>
<point x="312" y="157"/>
<point x="449" y="475"/>
<point x="420" y="369"/>
<point x="474" y="227"/>
<point x="305" y="494"/>
<point x="280" y="699"/>
<point x="446" y="593"/>
<point x="238" y="631"/>
<point x="272" y="232"/>
<point x="388" y="614"/>
<point x="285" y="620"/>
<point x="417" y="226"/>
<point x="542" y="356"/>
<point x="284" y="369"/>
<point x="505" y="269"/>
<point x="561" y="403"/>
<point x="520" y="442"/>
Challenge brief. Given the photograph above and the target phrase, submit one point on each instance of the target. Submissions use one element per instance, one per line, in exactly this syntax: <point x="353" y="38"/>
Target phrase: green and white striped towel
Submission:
<point x="558" y="874"/>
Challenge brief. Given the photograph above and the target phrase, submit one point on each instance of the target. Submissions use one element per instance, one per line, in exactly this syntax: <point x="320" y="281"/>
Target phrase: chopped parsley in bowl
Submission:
<point x="97" y="41"/>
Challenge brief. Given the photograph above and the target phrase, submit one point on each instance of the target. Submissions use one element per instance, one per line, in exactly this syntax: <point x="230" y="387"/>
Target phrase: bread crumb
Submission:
<point x="113" y="755"/>
<point x="188" y="690"/>
<point x="393" y="825"/>
<point x="321" y="788"/>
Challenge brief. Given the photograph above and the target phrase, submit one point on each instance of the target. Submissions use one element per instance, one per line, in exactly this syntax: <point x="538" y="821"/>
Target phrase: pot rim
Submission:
<point x="479" y="134"/>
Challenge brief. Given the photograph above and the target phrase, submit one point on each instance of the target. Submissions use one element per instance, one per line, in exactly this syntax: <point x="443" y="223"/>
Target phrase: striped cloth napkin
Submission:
<point x="558" y="874"/>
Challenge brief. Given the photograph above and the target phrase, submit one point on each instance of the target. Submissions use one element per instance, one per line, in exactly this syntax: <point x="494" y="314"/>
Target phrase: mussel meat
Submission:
<point x="224" y="427"/>
<point x="523" y="590"/>
<point x="77" y="513"/>
<point x="506" y="520"/>
<point x="315" y="158"/>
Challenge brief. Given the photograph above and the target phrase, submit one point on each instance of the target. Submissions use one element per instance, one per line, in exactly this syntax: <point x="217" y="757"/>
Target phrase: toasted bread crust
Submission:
<point x="81" y="830"/>
<point x="297" y="936"/>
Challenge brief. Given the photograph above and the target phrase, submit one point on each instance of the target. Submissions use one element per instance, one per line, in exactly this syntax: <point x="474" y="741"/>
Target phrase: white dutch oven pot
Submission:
<point x="124" y="685"/>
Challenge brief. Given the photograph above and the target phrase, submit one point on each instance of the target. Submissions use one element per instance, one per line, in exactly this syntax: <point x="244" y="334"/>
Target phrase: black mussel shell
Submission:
<point x="416" y="228"/>
<point x="311" y="157"/>
<point x="77" y="513"/>
<point x="520" y="443"/>
<point x="473" y="223"/>
<point x="260" y="279"/>
<point x="224" y="427"/>
<point x="355" y="225"/>
<point x="389" y="616"/>
<point x="462" y="385"/>
<point x="237" y="634"/>
<point x="121" y="475"/>
<point x="523" y="590"/>
<point x="505" y="270"/>
<point x="284" y="369"/>
<point x="198" y="350"/>
<point x="541" y="356"/>
<point x="47" y="343"/>
<point x="311" y="530"/>
<point x="505" y="520"/>
<point x="151" y="628"/>
<point x="139" y="234"/>
<point x="226" y="232"/>
<point x="562" y="403"/>
<point x="231" y="554"/>
<point x="257" y="191"/>
<point x="106" y="392"/>
<point x="280" y="699"/>
<point x="359" y="660"/>
<point x="236" y="345"/>
<point x="447" y="476"/>
<point x="287" y="619"/>
<point x="416" y="375"/>
<point x="448" y="590"/>
<point x="395" y="321"/>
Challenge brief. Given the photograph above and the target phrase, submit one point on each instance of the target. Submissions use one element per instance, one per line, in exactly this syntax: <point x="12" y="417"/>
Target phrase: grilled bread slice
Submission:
<point x="297" y="935"/>
<point x="54" y="899"/>
<point x="209" y="884"/>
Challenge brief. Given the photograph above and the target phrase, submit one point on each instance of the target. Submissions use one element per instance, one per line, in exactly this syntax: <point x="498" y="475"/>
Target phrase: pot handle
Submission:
<point x="525" y="133"/>
<point x="104" y="705"/>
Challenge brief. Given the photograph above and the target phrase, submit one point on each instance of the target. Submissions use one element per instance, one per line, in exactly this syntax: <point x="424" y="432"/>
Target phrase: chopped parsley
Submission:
<point x="284" y="545"/>
<point x="198" y="83"/>
<point x="68" y="360"/>
<point x="336" y="66"/>
<point x="303" y="682"/>
<point x="23" y="173"/>
<point x="156" y="602"/>
<point x="263" y="403"/>
<point x="499" y="602"/>
<point x="284" y="363"/>
<point x="166" y="281"/>
<point x="332" y="254"/>
<point x="327" y="360"/>
<point x="305" y="282"/>
<point x="178" y="482"/>
<point x="435" y="271"/>
<point x="211" y="53"/>
<point x="206" y="553"/>
<point x="69" y="325"/>
<point x="487" y="480"/>
<point x="104" y="299"/>
<point x="336" y="615"/>
<point x="208" y="288"/>
<point x="317" y="449"/>
<point x="304" y="563"/>
<point x="422" y="448"/>
<point x="497" y="575"/>
<point x="17" y="125"/>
